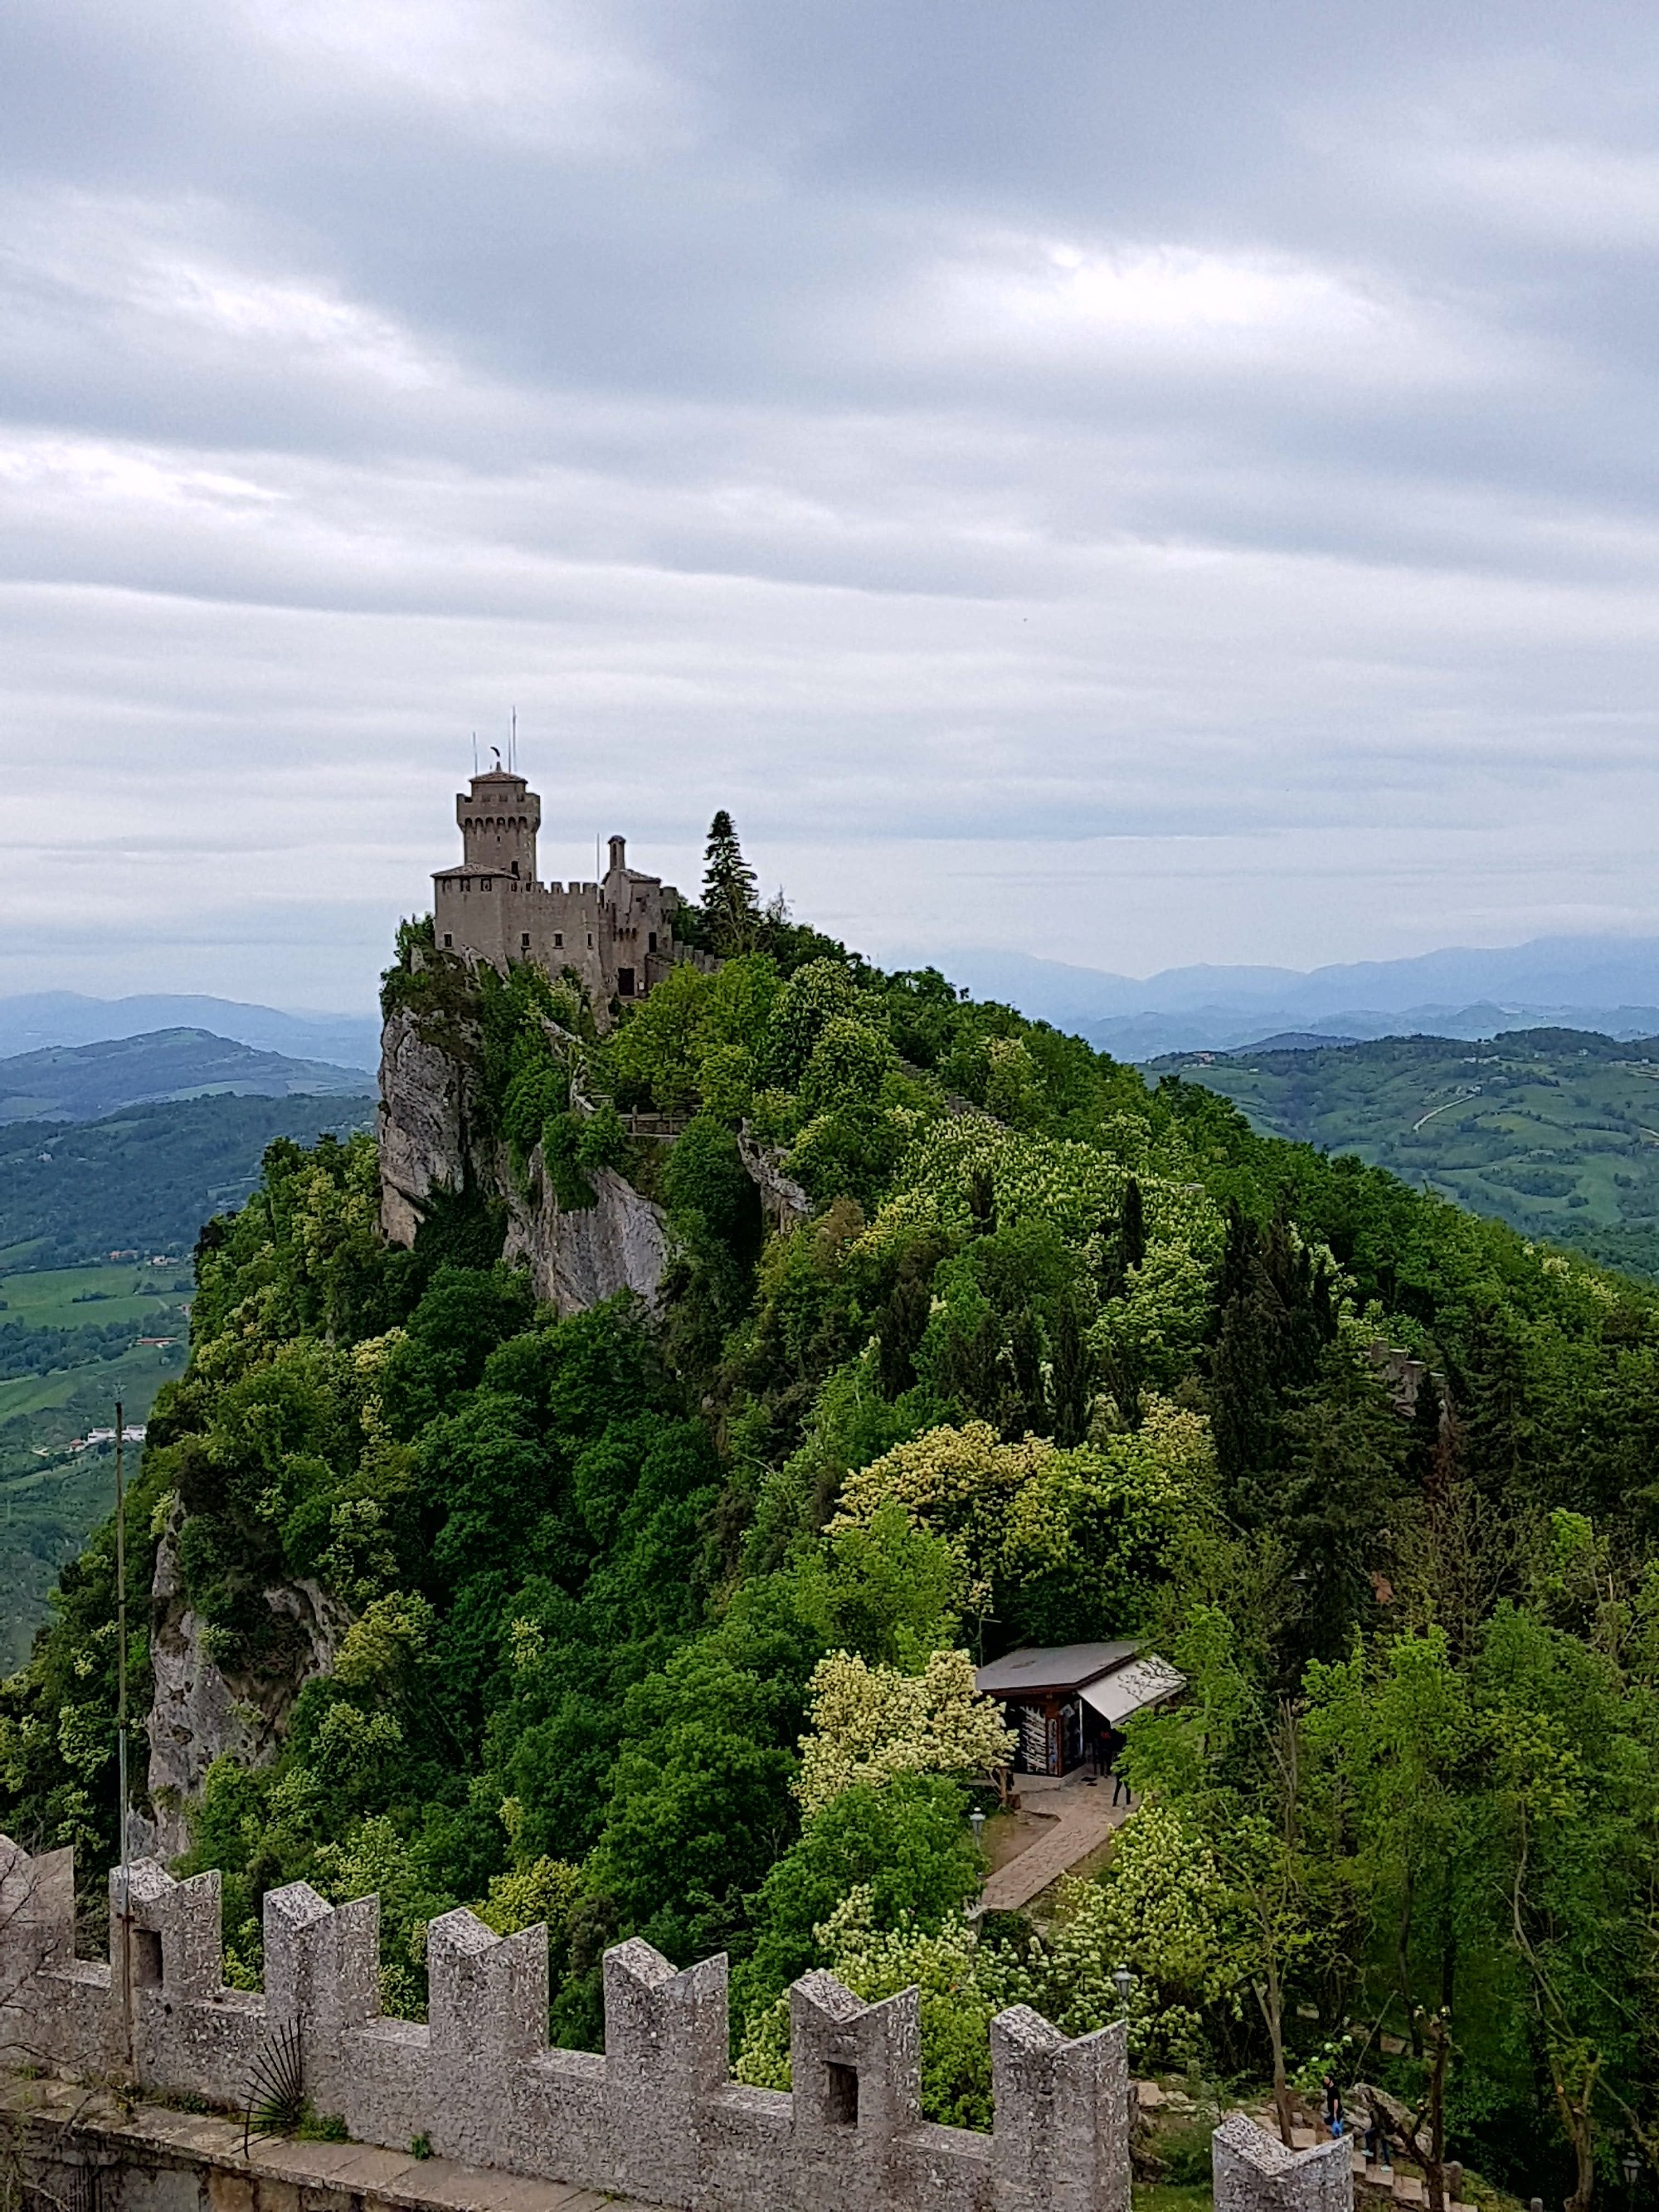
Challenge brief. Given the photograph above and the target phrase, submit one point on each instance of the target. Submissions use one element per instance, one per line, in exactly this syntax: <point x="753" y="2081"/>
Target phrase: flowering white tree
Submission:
<point x="870" y="1722"/>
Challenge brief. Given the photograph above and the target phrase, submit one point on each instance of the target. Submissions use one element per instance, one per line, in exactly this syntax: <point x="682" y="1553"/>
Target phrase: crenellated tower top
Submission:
<point x="499" y="817"/>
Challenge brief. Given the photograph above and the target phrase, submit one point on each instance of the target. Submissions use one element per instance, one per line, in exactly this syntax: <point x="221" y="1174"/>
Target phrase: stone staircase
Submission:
<point x="1384" y="2183"/>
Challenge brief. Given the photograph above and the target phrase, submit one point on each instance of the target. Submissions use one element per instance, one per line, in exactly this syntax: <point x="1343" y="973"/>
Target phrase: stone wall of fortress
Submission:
<point x="656" y="2118"/>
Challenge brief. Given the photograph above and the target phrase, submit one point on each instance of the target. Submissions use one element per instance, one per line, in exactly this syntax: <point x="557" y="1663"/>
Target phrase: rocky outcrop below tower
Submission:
<point x="436" y="1139"/>
<point x="579" y="1256"/>
<point x="428" y="1110"/>
<point x="199" y="1713"/>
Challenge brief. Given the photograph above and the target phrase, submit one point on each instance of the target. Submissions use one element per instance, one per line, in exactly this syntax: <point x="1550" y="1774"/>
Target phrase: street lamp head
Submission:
<point x="1123" y="1981"/>
<point x="1632" y="2167"/>
<point x="976" y="1822"/>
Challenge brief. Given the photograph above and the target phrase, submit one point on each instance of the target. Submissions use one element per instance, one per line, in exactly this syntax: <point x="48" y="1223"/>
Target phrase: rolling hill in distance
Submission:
<point x="1554" y="1131"/>
<point x="97" y="1220"/>
<point x="75" y="1083"/>
<point x="147" y="1178"/>
<point x="36" y="1019"/>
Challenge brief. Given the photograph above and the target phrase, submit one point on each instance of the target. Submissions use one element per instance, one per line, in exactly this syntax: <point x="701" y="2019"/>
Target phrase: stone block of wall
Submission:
<point x="1255" y="2172"/>
<point x="1062" y="2138"/>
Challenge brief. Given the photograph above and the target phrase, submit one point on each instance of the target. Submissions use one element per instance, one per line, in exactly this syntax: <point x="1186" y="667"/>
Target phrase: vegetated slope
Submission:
<point x="1553" y="1131"/>
<point x="81" y="1082"/>
<point x="663" y="1623"/>
<point x="147" y="1178"/>
<point x="71" y="1327"/>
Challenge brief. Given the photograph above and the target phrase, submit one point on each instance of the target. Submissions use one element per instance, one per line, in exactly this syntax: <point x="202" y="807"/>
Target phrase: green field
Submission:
<point x="1554" y="1131"/>
<point x="50" y="1496"/>
<point x="75" y="1297"/>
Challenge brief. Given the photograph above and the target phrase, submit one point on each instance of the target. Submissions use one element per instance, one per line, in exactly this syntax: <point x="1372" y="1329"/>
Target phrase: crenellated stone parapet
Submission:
<point x="657" y="2118"/>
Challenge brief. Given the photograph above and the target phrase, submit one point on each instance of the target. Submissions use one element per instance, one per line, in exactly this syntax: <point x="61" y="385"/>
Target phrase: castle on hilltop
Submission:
<point x="617" y="934"/>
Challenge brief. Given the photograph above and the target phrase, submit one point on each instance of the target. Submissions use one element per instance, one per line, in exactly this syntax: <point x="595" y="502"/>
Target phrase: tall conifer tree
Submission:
<point x="729" y="903"/>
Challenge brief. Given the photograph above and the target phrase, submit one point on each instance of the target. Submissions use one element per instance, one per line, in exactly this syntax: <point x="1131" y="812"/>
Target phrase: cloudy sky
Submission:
<point x="1132" y="484"/>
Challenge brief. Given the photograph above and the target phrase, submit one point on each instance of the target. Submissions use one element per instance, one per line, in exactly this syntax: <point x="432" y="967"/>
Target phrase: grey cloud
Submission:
<point x="1194" y="462"/>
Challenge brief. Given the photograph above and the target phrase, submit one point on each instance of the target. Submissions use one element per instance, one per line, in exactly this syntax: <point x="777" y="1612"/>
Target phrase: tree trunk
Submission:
<point x="1270" y="2000"/>
<point x="1583" y="2151"/>
<point x="1434" y="2166"/>
<point x="1581" y="2135"/>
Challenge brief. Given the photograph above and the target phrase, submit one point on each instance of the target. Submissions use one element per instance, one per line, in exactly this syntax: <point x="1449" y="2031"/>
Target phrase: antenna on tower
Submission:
<point x="513" y="742"/>
<point x="475" y="752"/>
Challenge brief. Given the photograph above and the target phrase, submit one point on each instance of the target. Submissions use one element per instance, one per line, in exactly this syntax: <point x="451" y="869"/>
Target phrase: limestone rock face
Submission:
<point x="424" y="1123"/>
<point x="431" y="1138"/>
<point x="199" y="1712"/>
<point x="783" y="1202"/>
<point x="580" y="1257"/>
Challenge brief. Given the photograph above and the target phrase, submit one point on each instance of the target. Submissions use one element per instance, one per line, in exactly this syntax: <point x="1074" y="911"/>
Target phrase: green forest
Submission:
<point x="663" y="1618"/>
<point x="1554" y="1131"/>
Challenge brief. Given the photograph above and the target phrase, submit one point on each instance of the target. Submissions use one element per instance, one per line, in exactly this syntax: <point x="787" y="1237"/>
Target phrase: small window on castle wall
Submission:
<point x="448" y="941"/>
<point x="842" y="2097"/>
<point x="515" y="867"/>
<point x="624" y="982"/>
<point x="525" y="941"/>
<point x="651" y="941"/>
<point x="590" y="940"/>
<point x="146" y="1970"/>
<point x="558" y="939"/>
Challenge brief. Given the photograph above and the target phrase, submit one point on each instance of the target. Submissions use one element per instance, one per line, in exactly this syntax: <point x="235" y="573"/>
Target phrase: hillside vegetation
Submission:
<point x="1553" y="1131"/>
<point x="663" y="1622"/>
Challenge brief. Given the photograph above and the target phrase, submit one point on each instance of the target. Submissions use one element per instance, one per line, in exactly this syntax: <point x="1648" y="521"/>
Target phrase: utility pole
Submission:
<point x="121" y="1731"/>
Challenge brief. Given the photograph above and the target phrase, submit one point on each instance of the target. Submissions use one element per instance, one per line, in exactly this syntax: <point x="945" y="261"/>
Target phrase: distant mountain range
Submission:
<point x="40" y="1019"/>
<point x="81" y="1083"/>
<point x="1610" y="984"/>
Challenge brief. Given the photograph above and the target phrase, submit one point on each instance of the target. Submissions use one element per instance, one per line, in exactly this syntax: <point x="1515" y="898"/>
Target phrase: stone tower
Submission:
<point x="498" y="820"/>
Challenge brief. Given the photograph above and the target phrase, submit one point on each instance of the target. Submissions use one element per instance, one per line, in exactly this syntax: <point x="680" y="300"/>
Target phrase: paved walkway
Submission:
<point x="1083" y="1816"/>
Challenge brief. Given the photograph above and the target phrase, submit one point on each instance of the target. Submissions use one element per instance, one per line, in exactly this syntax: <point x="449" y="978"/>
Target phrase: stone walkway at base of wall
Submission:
<point x="275" y="2169"/>
<point x="1083" y="1815"/>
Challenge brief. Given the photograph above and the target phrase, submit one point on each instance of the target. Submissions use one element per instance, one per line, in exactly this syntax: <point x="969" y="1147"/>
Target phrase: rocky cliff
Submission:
<point x="199" y="1713"/>
<point x="434" y="1138"/>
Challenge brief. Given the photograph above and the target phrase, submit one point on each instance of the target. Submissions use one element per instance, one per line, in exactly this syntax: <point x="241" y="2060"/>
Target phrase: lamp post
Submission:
<point x="976" y="1822"/>
<point x="1123" y="1982"/>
